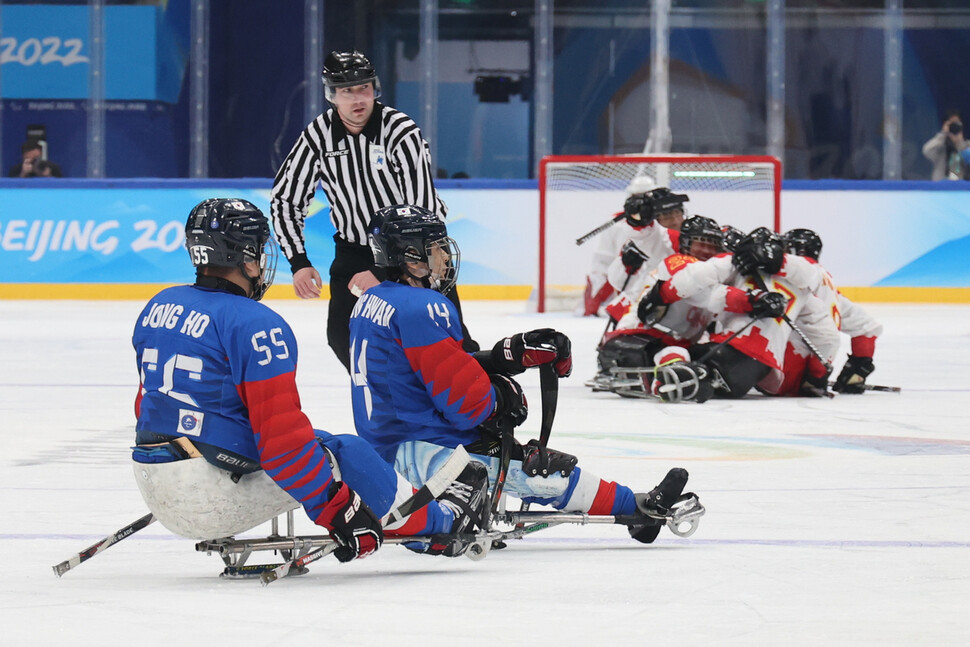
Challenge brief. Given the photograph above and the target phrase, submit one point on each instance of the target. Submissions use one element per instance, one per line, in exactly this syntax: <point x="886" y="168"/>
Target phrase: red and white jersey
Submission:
<point x="725" y="291"/>
<point x="656" y="242"/>
<point x="685" y="321"/>
<point x="817" y="322"/>
<point x="799" y="359"/>
<point x="608" y="248"/>
<point x="849" y="317"/>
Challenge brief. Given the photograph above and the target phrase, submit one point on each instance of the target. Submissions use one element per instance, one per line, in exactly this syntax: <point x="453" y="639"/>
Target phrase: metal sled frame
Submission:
<point x="683" y="519"/>
<point x="236" y="552"/>
<point x="625" y="381"/>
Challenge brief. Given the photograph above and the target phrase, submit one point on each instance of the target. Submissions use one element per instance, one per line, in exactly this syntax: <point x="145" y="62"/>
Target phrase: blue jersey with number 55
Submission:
<point x="199" y="351"/>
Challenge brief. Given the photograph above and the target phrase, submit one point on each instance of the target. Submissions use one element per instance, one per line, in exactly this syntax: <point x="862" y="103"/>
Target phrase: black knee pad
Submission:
<point x="542" y="461"/>
<point x="631" y="351"/>
<point x="738" y="372"/>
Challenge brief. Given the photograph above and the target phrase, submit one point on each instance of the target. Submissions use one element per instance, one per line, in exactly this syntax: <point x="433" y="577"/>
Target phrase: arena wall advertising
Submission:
<point x="116" y="239"/>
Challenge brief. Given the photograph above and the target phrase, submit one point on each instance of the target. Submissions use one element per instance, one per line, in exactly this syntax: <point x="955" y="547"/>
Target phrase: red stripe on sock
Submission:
<point x="414" y="524"/>
<point x="603" y="501"/>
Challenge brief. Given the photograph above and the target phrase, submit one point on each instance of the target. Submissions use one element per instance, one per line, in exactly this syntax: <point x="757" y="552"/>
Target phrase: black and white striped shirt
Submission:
<point x="387" y="163"/>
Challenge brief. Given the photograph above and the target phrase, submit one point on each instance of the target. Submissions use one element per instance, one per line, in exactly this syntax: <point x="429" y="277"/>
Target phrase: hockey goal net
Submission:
<point x="579" y="193"/>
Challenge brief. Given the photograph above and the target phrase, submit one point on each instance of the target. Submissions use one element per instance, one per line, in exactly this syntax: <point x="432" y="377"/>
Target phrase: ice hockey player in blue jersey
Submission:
<point x="417" y="394"/>
<point x="222" y="444"/>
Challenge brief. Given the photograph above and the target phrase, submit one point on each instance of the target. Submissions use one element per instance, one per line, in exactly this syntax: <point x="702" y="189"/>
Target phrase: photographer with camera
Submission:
<point x="946" y="150"/>
<point x="32" y="162"/>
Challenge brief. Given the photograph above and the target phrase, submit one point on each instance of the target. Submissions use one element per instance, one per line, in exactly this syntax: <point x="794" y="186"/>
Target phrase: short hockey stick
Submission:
<point x="104" y="544"/>
<point x="505" y="457"/>
<point x="877" y="387"/>
<point x="431" y="490"/>
<point x="549" y="390"/>
<point x="709" y="354"/>
<point x="606" y="225"/>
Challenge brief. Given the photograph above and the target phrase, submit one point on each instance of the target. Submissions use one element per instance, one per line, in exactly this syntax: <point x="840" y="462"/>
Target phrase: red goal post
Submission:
<point x="577" y="193"/>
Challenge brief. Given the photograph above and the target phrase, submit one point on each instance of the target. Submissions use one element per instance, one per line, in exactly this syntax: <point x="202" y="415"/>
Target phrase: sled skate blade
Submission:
<point x="631" y="382"/>
<point x="685" y="515"/>
<point x="255" y="571"/>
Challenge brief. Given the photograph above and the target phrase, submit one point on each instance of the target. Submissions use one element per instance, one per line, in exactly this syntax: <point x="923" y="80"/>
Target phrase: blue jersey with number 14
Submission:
<point x="411" y="378"/>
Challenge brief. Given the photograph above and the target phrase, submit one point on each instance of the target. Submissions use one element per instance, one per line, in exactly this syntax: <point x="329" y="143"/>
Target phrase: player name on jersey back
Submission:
<point x="167" y="315"/>
<point x="374" y="308"/>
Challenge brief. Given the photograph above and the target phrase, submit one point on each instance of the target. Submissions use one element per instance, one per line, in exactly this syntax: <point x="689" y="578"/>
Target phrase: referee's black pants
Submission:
<point x="349" y="259"/>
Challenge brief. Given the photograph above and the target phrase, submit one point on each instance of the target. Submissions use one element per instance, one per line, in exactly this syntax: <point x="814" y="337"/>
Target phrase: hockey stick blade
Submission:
<point x="281" y="571"/>
<point x="877" y="387"/>
<point x="103" y="545"/>
<point x="431" y="490"/>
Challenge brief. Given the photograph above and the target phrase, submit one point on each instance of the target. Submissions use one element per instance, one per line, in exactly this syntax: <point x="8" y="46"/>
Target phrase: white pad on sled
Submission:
<point x="197" y="500"/>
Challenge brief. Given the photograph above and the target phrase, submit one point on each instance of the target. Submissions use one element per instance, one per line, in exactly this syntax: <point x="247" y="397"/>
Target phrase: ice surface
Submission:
<point x="830" y="522"/>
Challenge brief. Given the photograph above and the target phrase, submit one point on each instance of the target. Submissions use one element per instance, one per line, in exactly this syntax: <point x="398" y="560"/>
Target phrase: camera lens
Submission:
<point x="955" y="128"/>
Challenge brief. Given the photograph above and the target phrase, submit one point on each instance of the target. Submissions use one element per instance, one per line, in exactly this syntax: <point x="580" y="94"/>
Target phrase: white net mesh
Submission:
<point x="578" y="194"/>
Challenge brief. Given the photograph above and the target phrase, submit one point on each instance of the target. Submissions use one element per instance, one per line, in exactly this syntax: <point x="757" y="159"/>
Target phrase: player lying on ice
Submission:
<point x="222" y="444"/>
<point x="760" y="296"/>
<point x="417" y="394"/>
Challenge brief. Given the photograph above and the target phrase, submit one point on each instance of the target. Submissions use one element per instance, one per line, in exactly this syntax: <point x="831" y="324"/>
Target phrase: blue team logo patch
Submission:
<point x="190" y="423"/>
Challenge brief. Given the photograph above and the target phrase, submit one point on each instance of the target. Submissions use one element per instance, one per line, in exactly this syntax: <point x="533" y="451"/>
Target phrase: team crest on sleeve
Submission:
<point x="190" y="422"/>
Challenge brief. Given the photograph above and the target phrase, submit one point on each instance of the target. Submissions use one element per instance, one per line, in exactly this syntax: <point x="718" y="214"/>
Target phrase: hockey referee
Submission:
<point x="366" y="156"/>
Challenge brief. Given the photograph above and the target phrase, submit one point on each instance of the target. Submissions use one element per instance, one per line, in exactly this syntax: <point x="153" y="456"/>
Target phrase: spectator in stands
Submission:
<point x="32" y="163"/>
<point x="945" y="150"/>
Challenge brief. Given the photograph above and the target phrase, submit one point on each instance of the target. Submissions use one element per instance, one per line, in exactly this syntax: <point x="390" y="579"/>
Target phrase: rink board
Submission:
<point x="80" y="239"/>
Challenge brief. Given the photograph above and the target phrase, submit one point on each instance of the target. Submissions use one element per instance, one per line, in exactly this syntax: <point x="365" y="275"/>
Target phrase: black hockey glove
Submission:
<point x="766" y="305"/>
<point x="652" y="308"/>
<point x="514" y="354"/>
<point x="815" y="387"/>
<point x="351" y="524"/>
<point x="511" y="407"/>
<point x="852" y="379"/>
<point x="638" y="210"/>
<point x="632" y="257"/>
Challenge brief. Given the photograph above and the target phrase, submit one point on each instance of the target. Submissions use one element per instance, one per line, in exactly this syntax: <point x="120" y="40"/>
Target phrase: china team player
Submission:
<point x="645" y="235"/>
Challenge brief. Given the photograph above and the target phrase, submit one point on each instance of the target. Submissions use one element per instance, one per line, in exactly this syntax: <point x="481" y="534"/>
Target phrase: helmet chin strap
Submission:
<point x="425" y="280"/>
